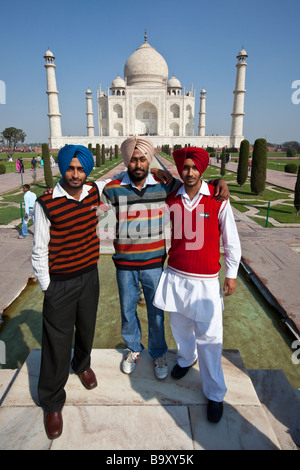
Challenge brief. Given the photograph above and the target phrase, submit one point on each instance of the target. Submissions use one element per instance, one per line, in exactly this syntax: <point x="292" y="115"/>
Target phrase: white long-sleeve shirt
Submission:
<point x="29" y="201"/>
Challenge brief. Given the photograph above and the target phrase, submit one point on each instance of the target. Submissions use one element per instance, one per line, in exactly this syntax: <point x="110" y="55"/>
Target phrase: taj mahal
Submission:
<point x="146" y="102"/>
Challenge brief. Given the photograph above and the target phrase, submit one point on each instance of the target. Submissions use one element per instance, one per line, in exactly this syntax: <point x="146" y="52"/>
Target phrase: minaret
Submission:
<point x="202" y="113"/>
<point x="53" y="106"/>
<point x="89" y="114"/>
<point x="239" y="97"/>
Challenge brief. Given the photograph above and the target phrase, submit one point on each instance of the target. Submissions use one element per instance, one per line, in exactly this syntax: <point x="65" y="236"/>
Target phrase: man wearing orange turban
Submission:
<point x="189" y="288"/>
<point x="199" y="156"/>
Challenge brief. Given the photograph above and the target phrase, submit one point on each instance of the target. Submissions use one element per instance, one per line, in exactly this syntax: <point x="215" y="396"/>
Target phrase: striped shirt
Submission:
<point x="73" y="245"/>
<point x="139" y="242"/>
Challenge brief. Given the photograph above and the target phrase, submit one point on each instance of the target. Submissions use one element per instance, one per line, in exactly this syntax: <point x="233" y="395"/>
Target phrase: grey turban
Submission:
<point x="141" y="143"/>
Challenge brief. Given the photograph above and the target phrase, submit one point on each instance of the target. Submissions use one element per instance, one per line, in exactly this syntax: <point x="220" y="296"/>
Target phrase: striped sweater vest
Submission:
<point x="139" y="242"/>
<point x="195" y="235"/>
<point x="74" y="244"/>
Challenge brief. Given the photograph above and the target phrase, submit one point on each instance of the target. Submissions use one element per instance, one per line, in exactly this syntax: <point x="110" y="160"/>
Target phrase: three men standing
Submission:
<point x="65" y="256"/>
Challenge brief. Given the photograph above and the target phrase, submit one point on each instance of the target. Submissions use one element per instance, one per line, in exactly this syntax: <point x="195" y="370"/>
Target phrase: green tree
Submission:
<point x="242" y="171"/>
<point x="47" y="166"/>
<point x="291" y="152"/>
<point x="10" y="137"/>
<point x="98" y="155"/>
<point x="297" y="193"/>
<point x="116" y="152"/>
<point x="259" y="166"/>
<point x="103" y="154"/>
<point x="223" y="162"/>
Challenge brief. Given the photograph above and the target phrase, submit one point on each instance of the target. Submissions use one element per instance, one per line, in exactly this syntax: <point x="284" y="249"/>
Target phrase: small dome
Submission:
<point x="242" y="53"/>
<point x="118" y="83"/>
<point x="173" y="82"/>
<point x="88" y="92"/>
<point x="49" y="54"/>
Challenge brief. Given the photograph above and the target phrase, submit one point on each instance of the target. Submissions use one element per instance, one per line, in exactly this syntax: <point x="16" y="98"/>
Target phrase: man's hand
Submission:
<point x="162" y="175"/>
<point x="48" y="191"/>
<point x="229" y="286"/>
<point x="222" y="192"/>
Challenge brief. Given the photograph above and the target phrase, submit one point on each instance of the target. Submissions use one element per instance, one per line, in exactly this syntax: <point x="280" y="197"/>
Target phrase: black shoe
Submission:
<point x="214" y="411"/>
<point x="179" y="372"/>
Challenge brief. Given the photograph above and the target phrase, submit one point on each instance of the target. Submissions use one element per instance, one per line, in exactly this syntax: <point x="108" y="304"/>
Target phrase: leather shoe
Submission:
<point x="53" y="424"/>
<point x="214" y="411"/>
<point x="179" y="372"/>
<point x="88" y="379"/>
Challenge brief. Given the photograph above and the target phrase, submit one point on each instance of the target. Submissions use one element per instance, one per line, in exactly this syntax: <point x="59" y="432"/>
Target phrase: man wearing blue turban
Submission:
<point x="67" y="153"/>
<point x="64" y="258"/>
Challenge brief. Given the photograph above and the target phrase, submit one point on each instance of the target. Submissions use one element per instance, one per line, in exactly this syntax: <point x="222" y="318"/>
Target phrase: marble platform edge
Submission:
<point x="244" y="425"/>
<point x="139" y="388"/>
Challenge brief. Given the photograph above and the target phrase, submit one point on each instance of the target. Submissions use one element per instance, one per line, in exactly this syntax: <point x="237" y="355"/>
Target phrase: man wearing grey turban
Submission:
<point x="138" y="200"/>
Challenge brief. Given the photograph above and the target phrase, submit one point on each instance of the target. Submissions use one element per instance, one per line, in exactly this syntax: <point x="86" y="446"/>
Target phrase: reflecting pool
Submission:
<point x="250" y="325"/>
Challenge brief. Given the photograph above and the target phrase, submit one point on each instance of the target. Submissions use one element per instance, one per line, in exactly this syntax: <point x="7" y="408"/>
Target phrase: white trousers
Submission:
<point x="202" y="340"/>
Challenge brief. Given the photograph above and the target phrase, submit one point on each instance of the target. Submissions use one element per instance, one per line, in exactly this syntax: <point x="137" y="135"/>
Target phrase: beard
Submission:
<point x="137" y="177"/>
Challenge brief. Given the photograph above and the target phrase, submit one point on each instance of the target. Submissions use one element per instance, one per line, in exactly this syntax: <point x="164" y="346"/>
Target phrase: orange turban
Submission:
<point x="199" y="156"/>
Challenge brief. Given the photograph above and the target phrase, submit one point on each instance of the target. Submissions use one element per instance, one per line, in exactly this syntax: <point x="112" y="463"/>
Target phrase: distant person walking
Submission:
<point x="29" y="200"/>
<point x="33" y="163"/>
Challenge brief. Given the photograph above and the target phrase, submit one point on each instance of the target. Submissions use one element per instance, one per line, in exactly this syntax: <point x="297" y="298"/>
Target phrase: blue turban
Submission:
<point x="67" y="153"/>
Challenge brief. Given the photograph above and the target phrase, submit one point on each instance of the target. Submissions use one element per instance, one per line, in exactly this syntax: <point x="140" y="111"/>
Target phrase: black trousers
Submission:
<point x="68" y="305"/>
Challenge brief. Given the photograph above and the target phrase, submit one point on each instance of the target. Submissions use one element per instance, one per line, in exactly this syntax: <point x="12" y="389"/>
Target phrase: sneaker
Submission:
<point x="129" y="362"/>
<point x="160" y="367"/>
<point x="21" y="236"/>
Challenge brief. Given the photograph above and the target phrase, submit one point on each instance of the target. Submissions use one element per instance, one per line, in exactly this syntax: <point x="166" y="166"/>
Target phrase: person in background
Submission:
<point x="29" y="201"/>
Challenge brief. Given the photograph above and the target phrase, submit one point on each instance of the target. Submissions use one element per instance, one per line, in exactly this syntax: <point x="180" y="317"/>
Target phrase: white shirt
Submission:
<point x="41" y="238"/>
<point x="29" y="200"/>
<point x="150" y="180"/>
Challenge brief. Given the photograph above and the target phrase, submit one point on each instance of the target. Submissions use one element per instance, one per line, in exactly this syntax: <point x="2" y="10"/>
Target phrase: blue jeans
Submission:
<point x="128" y="282"/>
<point x="25" y="222"/>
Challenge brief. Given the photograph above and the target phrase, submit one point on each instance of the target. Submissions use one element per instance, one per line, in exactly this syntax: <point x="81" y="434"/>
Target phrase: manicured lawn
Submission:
<point x="8" y="209"/>
<point x="242" y="197"/>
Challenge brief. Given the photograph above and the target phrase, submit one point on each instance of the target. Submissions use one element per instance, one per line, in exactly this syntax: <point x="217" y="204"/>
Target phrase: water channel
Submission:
<point x="250" y="325"/>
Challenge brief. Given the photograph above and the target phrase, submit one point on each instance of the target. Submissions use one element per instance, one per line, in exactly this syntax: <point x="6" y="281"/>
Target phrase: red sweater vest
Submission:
<point x="74" y="244"/>
<point x="195" y="235"/>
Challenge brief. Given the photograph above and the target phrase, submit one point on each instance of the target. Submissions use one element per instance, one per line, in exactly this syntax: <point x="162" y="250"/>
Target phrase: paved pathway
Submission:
<point x="10" y="181"/>
<point x="278" y="178"/>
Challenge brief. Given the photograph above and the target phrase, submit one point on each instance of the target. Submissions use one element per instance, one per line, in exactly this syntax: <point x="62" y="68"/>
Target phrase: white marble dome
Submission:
<point x="118" y="83"/>
<point x="173" y="82"/>
<point x="49" y="54"/>
<point x="242" y="53"/>
<point x="146" y="67"/>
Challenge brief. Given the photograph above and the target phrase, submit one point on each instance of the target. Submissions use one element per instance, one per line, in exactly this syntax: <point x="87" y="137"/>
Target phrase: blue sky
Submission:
<point x="92" y="40"/>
